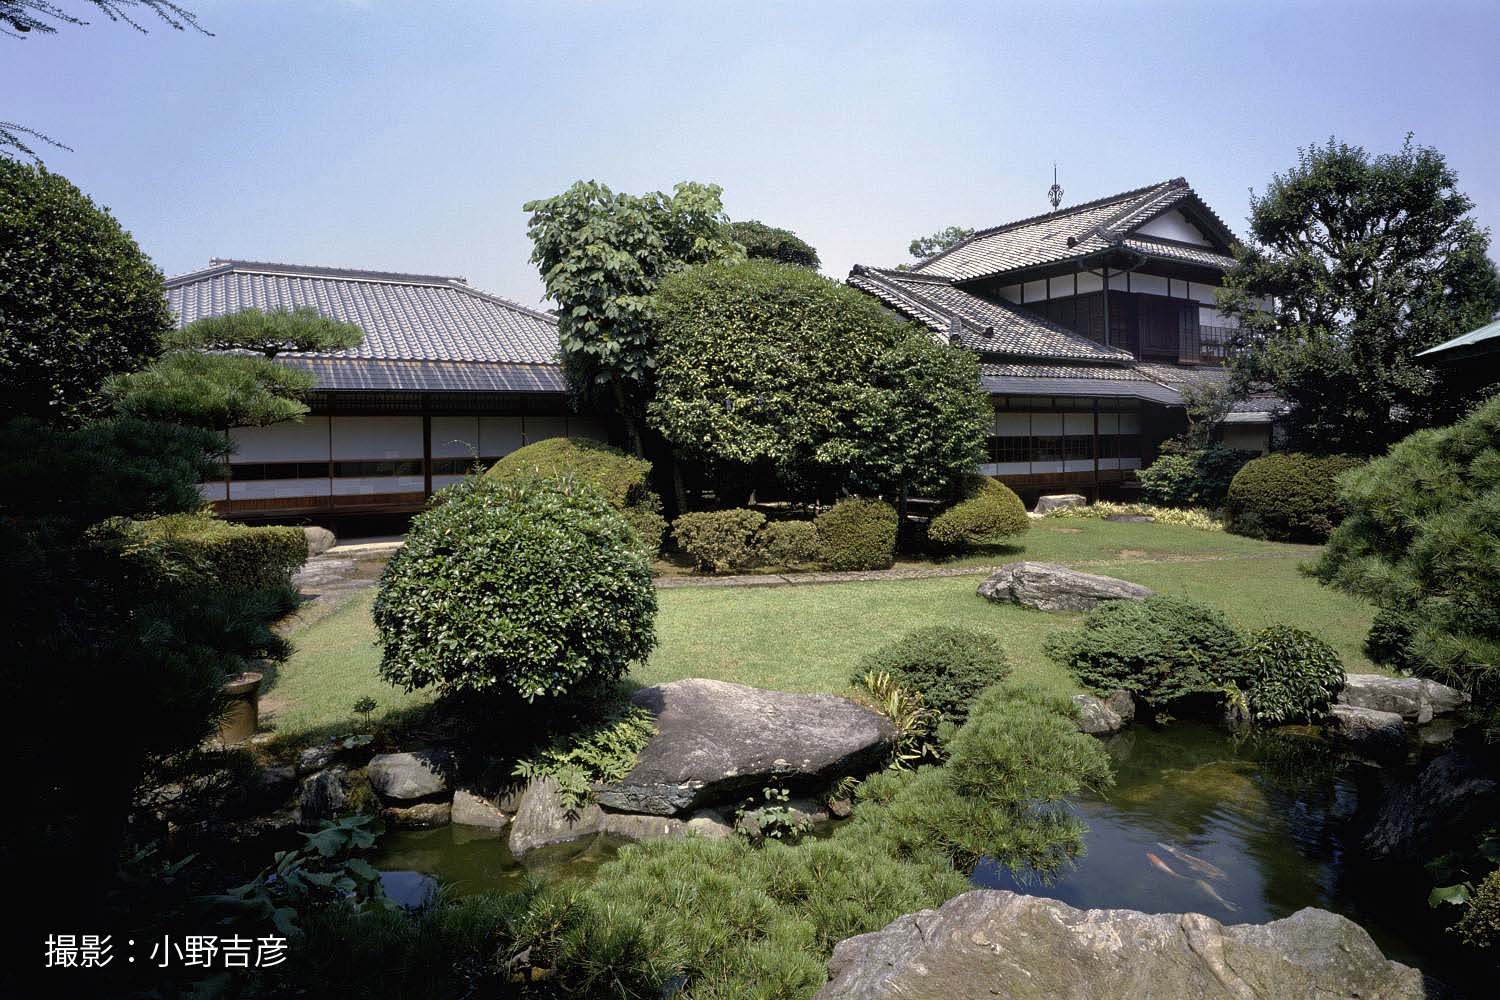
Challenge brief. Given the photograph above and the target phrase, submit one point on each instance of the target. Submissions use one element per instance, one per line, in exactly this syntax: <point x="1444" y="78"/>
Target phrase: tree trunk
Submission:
<point x="679" y="490"/>
<point x="902" y="534"/>
<point x="628" y="418"/>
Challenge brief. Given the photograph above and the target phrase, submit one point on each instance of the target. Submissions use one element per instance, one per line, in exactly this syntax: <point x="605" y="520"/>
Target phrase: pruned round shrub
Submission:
<point x="991" y="512"/>
<point x="858" y="533"/>
<point x="236" y="555"/>
<point x="1198" y="478"/>
<point x="1160" y="649"/>
<point x="1287" y="497"/>
<point x="531" y="587"/>
<point x="946" y="664"/>
<point x="720" y="541"/>
<point x="1294" y="675"/>
<point x="623" y="480"/>
<point x="790" y="543"/>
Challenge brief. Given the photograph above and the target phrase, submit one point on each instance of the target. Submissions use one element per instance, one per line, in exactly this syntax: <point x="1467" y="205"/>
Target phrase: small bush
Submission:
<point x="525" y="587"/>
<point x="623" y="480"/>
<point x="948" y="665"/>
<point x="1198" y="478"/>
<point x="1287" y="497"/>
<point x="720" y="541"/>
<point x="1160" y="649"/>
<point x="990" y="513"/>
<point x="858" y="533"/>
<point x="236" y="555"/>
<point x="1389" y="641"/>
<point x="1479" y="927"/>
<point x="793" y="544"/>
<point x="1294" y="675"/>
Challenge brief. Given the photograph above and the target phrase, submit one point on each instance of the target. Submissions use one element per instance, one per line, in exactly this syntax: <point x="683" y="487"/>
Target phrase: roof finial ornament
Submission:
<point x="1055" y="192"/>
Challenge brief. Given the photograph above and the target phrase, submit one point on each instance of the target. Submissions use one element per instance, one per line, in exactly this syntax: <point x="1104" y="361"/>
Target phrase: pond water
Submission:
<point x="469" y="860"/>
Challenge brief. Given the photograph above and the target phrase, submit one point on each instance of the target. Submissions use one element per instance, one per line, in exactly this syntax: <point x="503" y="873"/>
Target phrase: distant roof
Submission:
<point x="977" y="323"/>
<point x="405" y="317"/>
<point x="1482" y="342"/>
<point x="1084" y="230"/>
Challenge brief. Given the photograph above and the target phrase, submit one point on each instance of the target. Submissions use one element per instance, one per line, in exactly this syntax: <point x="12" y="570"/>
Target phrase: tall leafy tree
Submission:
<point x="763" y="242"/>
<point x="79" y="301"/>
<point x="602" y="255"/>
<point x="926" y="246"/>
<point x="1355" y="264"/>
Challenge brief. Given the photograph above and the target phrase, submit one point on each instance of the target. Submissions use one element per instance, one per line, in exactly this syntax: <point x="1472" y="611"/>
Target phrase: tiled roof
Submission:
<point x="1071" y="233"/>
<point x="365" y="374"/>
<point x="1180" y="375"/>
<point x="1172" y="250"/>
<point x="406" y="317"/>
<point x="977" y="323"/>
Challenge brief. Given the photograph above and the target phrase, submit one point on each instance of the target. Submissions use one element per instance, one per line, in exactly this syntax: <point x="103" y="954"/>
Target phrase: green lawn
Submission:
<point x="808" y="638"/>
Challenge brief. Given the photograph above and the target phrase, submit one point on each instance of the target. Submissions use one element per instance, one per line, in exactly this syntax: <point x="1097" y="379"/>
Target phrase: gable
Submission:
<point x="1174" y="225"/>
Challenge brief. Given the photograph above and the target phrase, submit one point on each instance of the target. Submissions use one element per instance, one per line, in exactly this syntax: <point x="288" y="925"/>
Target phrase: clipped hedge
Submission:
<point x="1287" y="497"/>
<point x="948" y="665"/>
<point x="720" y="541"/>
<point x="858" y="534"/>
<point x="623" y="480"/>
<point x="1160" y="649"/>
<point x="793" y="544"/>
<point x="990" y="512"/>
<point x="527" y="587"/>
<point x="1294" y="675"/>
<point x="236" y="555"/>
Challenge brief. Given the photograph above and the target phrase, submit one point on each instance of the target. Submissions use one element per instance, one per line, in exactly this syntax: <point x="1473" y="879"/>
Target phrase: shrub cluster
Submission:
<point x="1196" y="478"/>
<point x="793" y="544"/>
<point x="1287" y="497"/>
<point x="948" y="665"/>
<point x="1160" y="649"/>
<point x="720" y="541"/>
<point x="1294" y="675"/>
<point x="236" y="555"/>
<point x="623" y="480"/>
<point x="529" y="587"/>
<point x="1101" y="509"/>
<point x="858" y="533"/>
<point x="989" y="512"/>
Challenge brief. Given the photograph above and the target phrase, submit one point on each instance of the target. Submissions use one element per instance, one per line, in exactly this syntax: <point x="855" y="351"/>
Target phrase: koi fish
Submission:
<point x="1217" y="898"/>
<point x="1161" y="865"/>
<point x="1196" y="864"/>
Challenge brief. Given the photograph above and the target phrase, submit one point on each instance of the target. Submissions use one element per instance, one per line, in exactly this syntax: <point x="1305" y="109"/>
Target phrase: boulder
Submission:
<point x="1450" y="803"/>
<point x="637" y="827"/>
<point x="1095" y="716"/>
<point x="709" y="824"/>
<point x="410" y="777"/>
<point x="1415" y="699"/>
<point x="470" y="809"/>
<point x="421" y="816"/>
<point x="314" y="759"/>
<point x="1122" y="704"/>
<point x="717" y="740"/>
<point x="1050" y="587"/>
<point x="1369" y="733"/>
<point x="270" y="787"/>
<point x="542" y="821"/>
<point x="319" y="540"/>
<point x="322" y="797"/>
<point x="991" y="943"/>
<point x="1059" y="501"/>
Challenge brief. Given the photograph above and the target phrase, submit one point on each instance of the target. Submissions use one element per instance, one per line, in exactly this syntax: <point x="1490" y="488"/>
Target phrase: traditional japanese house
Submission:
<point x="447" y="376"/>
<point x="1091" y="323"/>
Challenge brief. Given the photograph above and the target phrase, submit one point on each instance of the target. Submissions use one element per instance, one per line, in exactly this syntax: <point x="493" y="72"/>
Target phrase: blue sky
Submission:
<point x="407" y="135"/>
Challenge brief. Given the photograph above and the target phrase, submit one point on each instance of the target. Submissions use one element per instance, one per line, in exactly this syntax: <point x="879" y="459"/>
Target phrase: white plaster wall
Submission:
<point x="1012" y="424"/>
<point x="438" y="482"/>
<point x="377" y="437"/>
<point x="1078" y="423"/>
<point x="1250" y="437"/>
<point x="366" y="485"/>
<point x="1089" y="282"/>
<point x="1148" y="283"/>
<point x="1119" y="282"/>
<point x="1174" y="225"/>
<point x="542" y="428"/>
<point x="1005" y="468"/>
<point x="455" y="437"/>
<point x="212" y="491"/>
<point x="1207" y="294"/>
<point x="1011" y="293"/>
<point x="266" y="489"/>
<point x="305" y="441"/>
<point x="499" y="436"/>
<point x="1035" y="291"/>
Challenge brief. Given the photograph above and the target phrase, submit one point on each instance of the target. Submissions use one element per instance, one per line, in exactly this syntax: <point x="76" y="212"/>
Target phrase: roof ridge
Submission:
<point x="1041" y="217"/>
<point x="224" y="264"/>
<point x="540" y="314"/>
<point x="1135" y="205"/>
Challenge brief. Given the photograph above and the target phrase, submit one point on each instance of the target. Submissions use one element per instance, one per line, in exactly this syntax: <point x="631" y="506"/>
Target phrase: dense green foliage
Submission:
<point x="990" y="512"/>
<point x="722" y="919"/>
<point x="236" y="555"/>
<point x="948" y="665"/>
<point x="858" y="533"/>
<point x="1422" y="541"/>
<point x="529" y="587"/>
<point x="720" y="541"/>
<point x="1479" y="927"/>
<point x="266" y="333"/>
<point x="763" y="242"/>
<point x="1287" y="497"/>
<point x="212" y="390"/>
<point x="793" y="544"/>
<point x="601" y="256"/>
<point x="1160" y="649"/>
<point x="1192" y="478"/>
<point x="601" y="749"/>
<point x="1364" y="262"/>
<point x="623" y="480"/>
<point x="926" y="246"/>
<point x="1294" y="675"/>
<point x="79" y="301"/>
<point x="775" y="371"/>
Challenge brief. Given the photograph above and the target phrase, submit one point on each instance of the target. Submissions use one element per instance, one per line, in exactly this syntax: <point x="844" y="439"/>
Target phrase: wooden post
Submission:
<point x="426" y="446"/>
<point x="1106" y="306"/>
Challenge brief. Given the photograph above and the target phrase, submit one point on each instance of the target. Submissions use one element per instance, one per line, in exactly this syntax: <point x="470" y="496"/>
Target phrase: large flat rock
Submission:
<point x="1009" y="946"/>
<point x="716" y="740"/>
<point x="1051" y="587"/>
<point x="1415" y="699"/>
